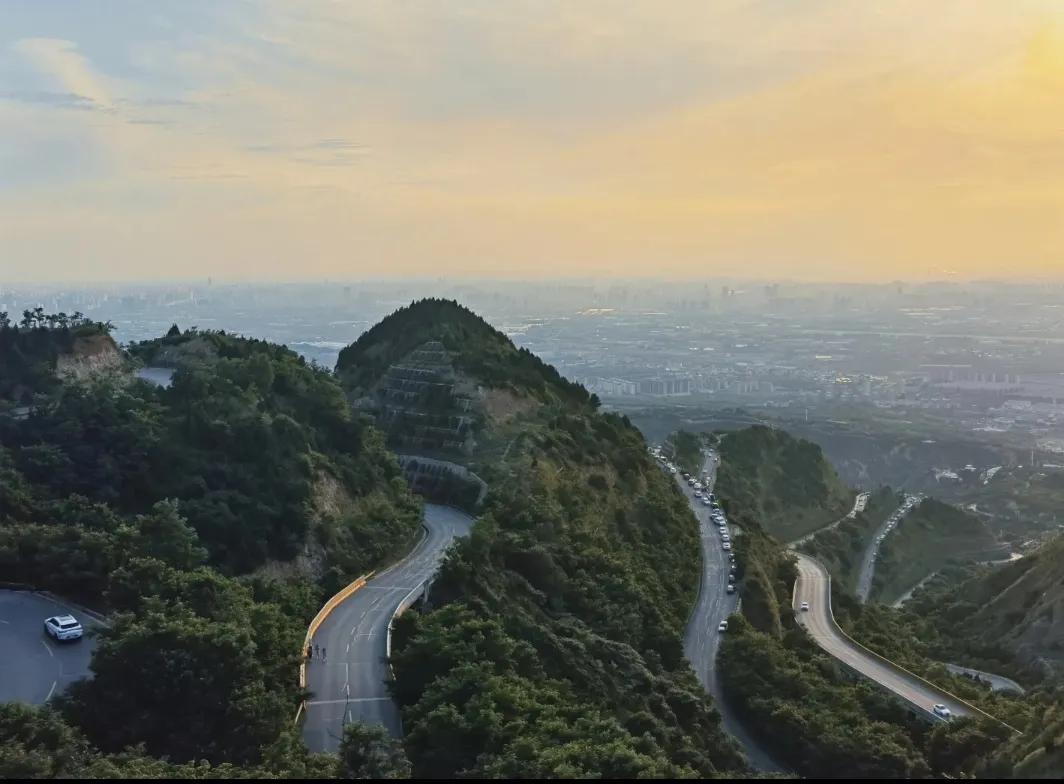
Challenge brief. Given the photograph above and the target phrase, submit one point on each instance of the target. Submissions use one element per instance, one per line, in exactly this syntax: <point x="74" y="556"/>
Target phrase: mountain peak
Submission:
<point x="434" y="374"/>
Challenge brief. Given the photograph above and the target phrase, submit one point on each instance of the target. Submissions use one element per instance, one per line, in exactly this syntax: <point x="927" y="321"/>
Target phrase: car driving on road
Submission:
<point x="63" y="627"/>
<point x="942" y="711"/>
<point x="722" y="626"/>
<point x="805" y="606"/>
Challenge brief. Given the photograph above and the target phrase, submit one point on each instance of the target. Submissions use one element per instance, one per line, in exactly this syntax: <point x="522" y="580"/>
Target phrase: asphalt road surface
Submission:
<point x="868" y="565"/>
<point x="995" y="682"/>
<point x="349" y="684"/>
<point x="714" y="604"/>
<point x="34" y="667"/>
<point x="813" y="586"/>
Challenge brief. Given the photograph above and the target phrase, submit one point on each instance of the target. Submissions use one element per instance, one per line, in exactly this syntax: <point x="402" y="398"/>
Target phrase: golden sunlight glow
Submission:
<point x="838" y="141"/>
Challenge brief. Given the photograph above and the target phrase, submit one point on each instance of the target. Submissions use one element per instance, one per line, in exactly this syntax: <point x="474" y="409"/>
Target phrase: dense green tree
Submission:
<point x="164" y="534"/>
<point x="36" y="743"/>
<point x="185" y="686"/>
<point x="368" y="752"/>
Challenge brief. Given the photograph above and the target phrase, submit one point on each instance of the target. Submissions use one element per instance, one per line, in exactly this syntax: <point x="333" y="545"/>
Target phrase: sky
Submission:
<point x="777" y="139"/>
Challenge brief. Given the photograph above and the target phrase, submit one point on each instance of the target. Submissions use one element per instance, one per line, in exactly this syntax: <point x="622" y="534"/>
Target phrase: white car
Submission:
<point x="805" y="606"/>
<point x="722" y="626"/>
<point x="63" y="627"/>
<point x="941" y="711"/>
<point x="726" y="545"/>
<point x="705" y="502"/>
<point x="725" y="537"/>
<point x="731" y="588"/>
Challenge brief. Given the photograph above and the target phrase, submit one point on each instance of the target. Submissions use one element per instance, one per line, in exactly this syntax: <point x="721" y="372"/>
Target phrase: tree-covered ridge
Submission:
<point x="159" y="506"/>
<point x="686" y="450"/>
<point x="992" y="618"/>
<point x="245" y="444"/>
<point x="553" y="647"/>
<point x="476" y="348"/>
<point x="784" y="482"/>
<point x="1007" y="615"/>
<point x="194" y="347"/>
<point x="927" y="539"/>
<point x="31" y="347"/>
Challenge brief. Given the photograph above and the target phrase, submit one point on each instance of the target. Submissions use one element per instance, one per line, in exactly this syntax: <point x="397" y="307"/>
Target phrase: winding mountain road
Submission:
<point x="349" y="683"/>
<point x="868" y="565"/>
<point x="814" y="586"/>
<point x="701" y="638"/>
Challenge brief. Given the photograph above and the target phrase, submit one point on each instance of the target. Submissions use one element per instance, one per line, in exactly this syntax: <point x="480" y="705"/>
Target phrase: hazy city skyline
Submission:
<point x="774" y="140"/>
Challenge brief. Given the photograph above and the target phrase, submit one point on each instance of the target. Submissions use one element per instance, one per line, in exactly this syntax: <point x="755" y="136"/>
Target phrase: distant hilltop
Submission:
<point x="435" y="375"/>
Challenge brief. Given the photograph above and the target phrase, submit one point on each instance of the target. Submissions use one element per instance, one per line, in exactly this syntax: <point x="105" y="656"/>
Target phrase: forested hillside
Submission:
<point x="259" y="449"/>
<point x="927" y="539"/>
<point x="32" y="348"/>
<point x="815" y="715"/>
<point x="784" y="482"/>
<point x="210" y="519"/>
<point x="552" y="643"/>
<point x="476" y="347"/>
<point x="1014" y="610"/>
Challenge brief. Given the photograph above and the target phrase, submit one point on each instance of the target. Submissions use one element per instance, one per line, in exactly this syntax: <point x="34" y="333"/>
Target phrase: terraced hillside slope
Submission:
<point x="551" y="642"/>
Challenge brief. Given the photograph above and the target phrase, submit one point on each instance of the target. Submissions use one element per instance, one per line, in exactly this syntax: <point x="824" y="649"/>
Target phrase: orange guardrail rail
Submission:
<point x="326" y="610"/>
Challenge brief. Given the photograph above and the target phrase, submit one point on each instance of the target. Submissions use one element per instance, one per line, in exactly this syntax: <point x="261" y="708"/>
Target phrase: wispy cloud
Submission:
<point x="56" y="100"/>
<point x="812" y="139"/>
<point x="324" y="152"/>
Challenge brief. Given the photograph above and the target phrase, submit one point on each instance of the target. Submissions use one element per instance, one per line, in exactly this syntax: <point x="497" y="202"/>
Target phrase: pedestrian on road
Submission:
<point x="310" y="652"/>
<point x="323" y="654"/>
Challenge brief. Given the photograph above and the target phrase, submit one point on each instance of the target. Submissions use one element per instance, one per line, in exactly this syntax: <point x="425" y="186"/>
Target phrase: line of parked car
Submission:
<point x="701" y="487"/>
<point x="897" y="515"/>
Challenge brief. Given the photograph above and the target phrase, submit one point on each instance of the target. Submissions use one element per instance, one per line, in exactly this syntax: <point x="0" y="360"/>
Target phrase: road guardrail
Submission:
<point x="893" y="665"/>
<point x="325" y="611"/>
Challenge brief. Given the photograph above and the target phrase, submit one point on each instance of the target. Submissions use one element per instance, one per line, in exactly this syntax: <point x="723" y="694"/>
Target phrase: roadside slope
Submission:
<point x="930" y="537"/>
<point x="783" y="482"/>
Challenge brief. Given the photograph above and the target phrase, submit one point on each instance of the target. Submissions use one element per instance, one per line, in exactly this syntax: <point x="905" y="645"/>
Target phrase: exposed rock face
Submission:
<point x="329" y="499"/>
<point x="88" y="357"/>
